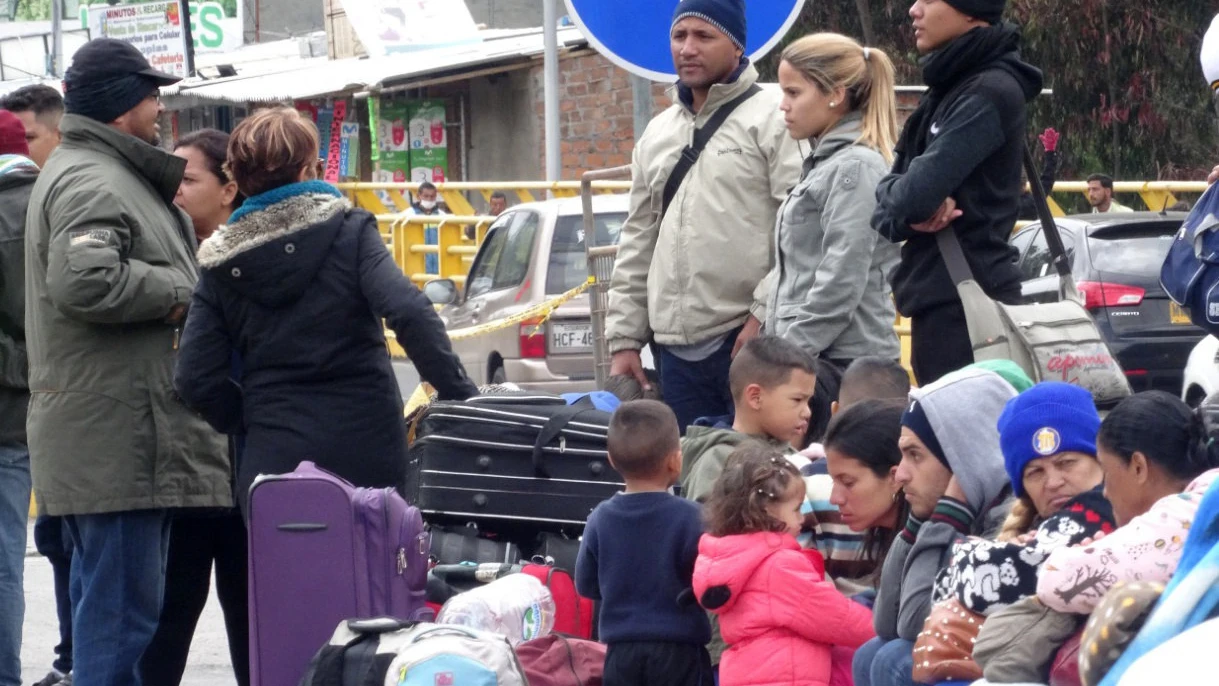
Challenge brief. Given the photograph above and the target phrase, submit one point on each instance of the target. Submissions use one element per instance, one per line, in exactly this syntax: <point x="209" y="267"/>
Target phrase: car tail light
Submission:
<point x="533" y="339"/>
<point x="1098" y="295"/>
<point x="1136" y="372"/>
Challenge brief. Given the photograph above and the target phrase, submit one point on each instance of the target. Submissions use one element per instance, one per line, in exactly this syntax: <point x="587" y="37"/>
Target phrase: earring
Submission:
<point x="833" y="104"/>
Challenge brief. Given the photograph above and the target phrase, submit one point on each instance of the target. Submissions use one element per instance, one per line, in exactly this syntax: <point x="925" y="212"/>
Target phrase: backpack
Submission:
<point x="1190" y="274"/>
<point x="574" y="614"/>
<point x="389" y="652"/>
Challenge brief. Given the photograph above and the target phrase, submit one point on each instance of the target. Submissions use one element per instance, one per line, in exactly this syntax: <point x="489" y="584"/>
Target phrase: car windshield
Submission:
<point x="1135" y="251"/>
<point x="568" y="264"/>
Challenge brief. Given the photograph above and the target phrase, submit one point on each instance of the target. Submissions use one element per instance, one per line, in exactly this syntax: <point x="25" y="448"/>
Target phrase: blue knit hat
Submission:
<point x="726" y="15"/>
<point x="1049" y="418"/>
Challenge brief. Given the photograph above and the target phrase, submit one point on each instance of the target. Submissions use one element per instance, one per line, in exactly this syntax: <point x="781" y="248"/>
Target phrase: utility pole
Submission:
<point x="641" y="94"/>
<point x="55" y="60"/>
<point x="184" y="5"/>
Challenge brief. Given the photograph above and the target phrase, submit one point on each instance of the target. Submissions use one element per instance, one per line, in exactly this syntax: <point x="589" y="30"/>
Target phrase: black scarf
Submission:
<point x="945" y="68"/>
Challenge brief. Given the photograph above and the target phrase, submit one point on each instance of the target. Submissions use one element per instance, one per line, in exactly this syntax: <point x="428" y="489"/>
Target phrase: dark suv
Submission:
<point x="1116" y="260"/>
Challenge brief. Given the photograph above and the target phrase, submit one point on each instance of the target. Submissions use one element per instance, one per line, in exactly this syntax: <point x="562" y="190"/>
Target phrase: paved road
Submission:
<point x="209" y="658"/>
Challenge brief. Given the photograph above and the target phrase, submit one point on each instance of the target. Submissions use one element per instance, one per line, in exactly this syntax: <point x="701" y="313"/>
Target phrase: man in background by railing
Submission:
<point x="429" y="205"/>
<point x="689" y="274"/>
<point x="1100" y="195"/>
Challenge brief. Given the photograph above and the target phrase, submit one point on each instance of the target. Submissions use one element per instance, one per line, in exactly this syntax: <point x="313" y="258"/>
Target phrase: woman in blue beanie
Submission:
<point x="1048" y="437"/>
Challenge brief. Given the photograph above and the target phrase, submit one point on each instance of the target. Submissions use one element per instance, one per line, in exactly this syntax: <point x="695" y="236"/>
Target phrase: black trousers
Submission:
<point x="53" y="542"/>
<point x="195" y="543"/>
<point x="656" y="663"/>
<point x="939" y="342"/>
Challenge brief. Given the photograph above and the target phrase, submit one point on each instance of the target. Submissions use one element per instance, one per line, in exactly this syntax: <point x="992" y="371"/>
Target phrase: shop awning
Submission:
<point x="319" y="78"/>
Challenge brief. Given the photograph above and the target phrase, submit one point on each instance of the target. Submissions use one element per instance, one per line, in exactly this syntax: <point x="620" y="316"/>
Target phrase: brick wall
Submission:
<point x="596" y="113"/>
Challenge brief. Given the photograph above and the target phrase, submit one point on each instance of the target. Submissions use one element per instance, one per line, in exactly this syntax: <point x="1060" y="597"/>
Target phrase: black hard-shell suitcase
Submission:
<point x="511" y="459"/>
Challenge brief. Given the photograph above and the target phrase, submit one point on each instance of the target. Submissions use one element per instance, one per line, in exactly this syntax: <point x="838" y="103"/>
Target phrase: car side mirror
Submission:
<point x="441" y="291"/>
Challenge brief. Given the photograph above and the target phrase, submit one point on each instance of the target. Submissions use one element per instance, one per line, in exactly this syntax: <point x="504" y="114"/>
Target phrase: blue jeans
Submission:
<point x="14" y="517"/>
<point x="118" y="580"/>
<point x="884" y="663"/>
<point x="697" y="389"/>
<point x="52" y="541"/>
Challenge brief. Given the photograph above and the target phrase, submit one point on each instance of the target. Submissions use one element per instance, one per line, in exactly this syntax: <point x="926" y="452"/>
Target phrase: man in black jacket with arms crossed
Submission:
<point x="958" y="164"/>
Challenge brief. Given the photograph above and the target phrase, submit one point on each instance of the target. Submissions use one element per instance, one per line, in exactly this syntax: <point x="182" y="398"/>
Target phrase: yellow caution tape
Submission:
<point x="541" y="312"/>
<point x="421" y="396"/>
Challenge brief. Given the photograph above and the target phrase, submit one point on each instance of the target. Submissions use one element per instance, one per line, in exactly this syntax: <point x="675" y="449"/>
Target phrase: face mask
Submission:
<point x="427" y="204"/>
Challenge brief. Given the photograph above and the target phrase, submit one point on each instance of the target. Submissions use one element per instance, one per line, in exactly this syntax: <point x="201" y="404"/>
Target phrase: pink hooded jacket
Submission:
<point x="776" y="611"/>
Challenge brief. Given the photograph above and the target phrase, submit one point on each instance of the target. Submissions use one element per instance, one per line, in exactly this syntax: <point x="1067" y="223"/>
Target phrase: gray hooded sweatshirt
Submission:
<point x="963" y="409"/>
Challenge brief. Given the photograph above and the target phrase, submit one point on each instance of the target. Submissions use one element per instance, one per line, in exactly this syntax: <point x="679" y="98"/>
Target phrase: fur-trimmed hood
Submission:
<point x="275" y="242"/>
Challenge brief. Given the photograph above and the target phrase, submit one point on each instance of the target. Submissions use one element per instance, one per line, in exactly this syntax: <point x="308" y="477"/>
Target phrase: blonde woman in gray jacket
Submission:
<point x="830" y="290"/>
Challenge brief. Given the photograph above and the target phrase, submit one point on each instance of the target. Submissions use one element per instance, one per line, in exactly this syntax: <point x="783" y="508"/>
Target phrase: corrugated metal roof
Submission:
<point x="319" y="77"/>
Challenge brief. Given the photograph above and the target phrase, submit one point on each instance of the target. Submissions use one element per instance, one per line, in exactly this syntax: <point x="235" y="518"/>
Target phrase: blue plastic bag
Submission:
<point x="1190" y="274"/>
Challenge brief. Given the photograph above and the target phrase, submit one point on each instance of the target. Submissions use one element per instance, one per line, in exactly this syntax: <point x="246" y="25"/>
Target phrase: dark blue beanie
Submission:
<point x="915" y="419"/>
<point x="1049" y="418"/>
<point x="726" y="15"/>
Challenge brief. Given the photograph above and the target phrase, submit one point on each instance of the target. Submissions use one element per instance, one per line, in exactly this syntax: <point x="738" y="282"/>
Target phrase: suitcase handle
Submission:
<point x="552" y="429"/>
<point x="302" y="527"/>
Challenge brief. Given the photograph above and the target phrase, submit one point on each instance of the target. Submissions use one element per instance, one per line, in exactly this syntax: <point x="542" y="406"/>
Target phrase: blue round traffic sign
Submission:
<point x="634" y="34"/>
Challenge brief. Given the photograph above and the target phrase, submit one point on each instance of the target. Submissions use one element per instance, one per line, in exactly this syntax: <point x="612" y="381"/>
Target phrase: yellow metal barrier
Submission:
<point x="388" y="198"/>
<point x="405" y="236"/>
<point x="1156" y="195"/>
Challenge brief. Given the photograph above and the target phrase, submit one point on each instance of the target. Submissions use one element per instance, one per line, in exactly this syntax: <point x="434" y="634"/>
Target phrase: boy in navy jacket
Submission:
<point x="637" y="558"/>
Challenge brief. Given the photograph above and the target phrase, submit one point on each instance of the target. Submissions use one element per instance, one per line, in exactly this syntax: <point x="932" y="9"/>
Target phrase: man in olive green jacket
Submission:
<point x="110" y="270"/>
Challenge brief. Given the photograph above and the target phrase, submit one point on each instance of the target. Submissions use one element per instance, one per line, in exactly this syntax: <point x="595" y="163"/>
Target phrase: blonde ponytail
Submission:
<point x="832" y="60"/>
<point x="1021" y="520"/>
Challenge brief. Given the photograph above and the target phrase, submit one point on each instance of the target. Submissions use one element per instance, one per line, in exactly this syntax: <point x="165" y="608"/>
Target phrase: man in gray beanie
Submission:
<point x="109" y="272"/>
<point x="952" y="474"/>
<point x="958" y="165"/>
<point x="694" y="252"/>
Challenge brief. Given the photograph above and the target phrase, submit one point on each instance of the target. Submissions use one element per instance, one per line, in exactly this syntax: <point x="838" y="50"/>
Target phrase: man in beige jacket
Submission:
<point x="690" y="278"/>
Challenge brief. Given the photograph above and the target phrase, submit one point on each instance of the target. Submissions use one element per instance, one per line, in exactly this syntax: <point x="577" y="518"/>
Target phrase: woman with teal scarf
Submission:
<point x="298" y="284"/>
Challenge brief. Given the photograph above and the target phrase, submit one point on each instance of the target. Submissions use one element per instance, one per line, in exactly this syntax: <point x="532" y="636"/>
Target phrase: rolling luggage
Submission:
<point x="511" y="459"/>
<point x="322" y="551"/>
<point x="455" y="545"/>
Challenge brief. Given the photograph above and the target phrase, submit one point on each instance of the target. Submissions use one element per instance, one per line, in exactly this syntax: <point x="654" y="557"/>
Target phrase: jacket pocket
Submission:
<point x="87" y="256"/>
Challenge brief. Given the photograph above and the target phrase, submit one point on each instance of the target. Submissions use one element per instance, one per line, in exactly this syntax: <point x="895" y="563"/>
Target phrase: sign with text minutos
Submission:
<point x="634" y="34"/>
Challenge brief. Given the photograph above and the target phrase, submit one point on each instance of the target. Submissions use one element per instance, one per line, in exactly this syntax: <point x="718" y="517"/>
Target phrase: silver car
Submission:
<point x="532" y="253"/>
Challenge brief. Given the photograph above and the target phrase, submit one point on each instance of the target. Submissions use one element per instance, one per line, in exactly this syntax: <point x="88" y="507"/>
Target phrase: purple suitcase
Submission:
<point x="323" y="551"/>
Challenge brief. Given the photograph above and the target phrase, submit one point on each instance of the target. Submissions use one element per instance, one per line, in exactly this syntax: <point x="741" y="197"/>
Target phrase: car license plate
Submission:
<point x="1177" y="314"/>
<point x="571" y="338"/>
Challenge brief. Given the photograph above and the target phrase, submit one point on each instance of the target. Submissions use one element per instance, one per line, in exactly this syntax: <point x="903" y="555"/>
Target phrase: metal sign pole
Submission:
<point x="551" y="88"/>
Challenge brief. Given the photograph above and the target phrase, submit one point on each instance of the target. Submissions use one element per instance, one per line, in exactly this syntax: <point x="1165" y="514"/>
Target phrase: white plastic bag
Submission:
<point x="517" y="606"/>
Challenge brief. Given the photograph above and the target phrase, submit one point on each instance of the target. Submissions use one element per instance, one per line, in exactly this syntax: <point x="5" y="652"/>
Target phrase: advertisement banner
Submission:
<point x="374" y="129"/>
<point x="216" y="25"/>
<point x="429" y="164"/>
<point x="392" y="142"/>
<point x="349" y="167"/>
<point x="334" y="157"/>
<point x="428" y="125"/>
<point x="388" y="26"/>
<point x="154" y="28"/>
<point x="325" y="116"/>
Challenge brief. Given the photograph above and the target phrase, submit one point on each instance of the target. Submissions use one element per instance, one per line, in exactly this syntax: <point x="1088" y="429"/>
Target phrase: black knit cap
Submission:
<point x="989" y="11"/>
<point x="108" y="78"/>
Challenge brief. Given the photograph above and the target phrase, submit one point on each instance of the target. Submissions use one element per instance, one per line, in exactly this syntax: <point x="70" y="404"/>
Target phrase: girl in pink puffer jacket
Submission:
<point x="785" y="624"/>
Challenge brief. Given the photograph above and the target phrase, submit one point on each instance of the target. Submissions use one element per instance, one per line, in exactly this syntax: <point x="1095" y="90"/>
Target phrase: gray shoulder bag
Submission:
<point x="1050" y="341"/>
